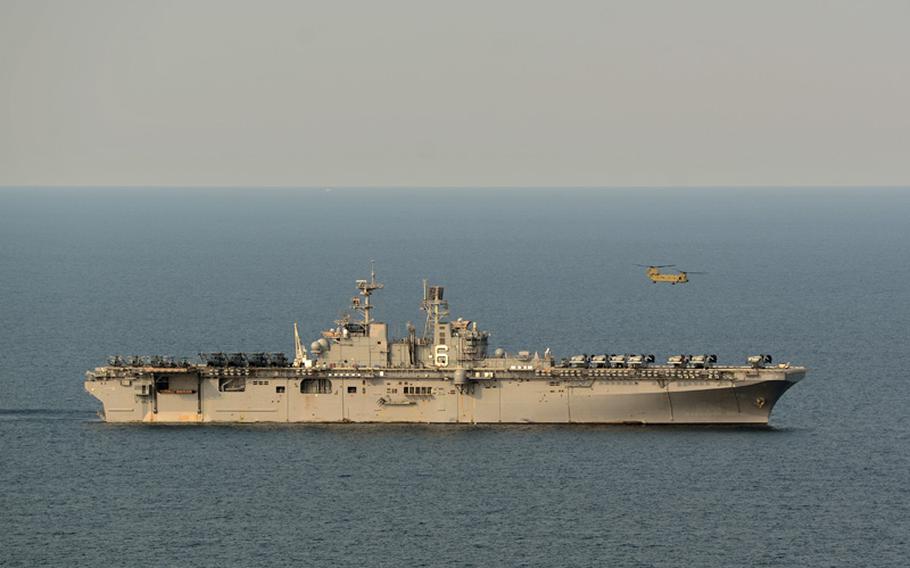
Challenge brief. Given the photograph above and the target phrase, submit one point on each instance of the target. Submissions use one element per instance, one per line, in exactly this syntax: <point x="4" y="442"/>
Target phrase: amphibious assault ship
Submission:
<point x="355" y="373"/>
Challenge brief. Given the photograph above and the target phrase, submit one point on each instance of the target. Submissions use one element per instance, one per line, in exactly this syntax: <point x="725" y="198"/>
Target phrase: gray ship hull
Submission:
<point x="735" y="395"/>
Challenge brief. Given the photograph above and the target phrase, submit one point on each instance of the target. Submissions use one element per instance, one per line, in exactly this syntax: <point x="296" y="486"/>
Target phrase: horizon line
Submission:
<point x="328" y="187"/>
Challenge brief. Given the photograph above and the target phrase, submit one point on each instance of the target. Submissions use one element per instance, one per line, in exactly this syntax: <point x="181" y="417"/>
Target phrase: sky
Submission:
<point x="427" y="93"/>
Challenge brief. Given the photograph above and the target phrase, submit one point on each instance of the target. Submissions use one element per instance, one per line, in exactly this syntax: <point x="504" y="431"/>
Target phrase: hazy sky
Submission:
<point x="512" y="92"/>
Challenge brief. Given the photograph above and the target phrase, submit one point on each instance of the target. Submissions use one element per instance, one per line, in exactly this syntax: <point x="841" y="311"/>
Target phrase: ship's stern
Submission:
<point x="122" y="399"/>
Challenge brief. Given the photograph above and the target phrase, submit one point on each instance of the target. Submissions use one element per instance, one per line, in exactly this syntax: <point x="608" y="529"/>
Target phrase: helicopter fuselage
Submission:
<point x="657" y="276"/>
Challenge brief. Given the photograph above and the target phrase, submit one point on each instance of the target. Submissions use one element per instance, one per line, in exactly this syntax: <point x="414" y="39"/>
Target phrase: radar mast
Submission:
<point x="366" y="288"/>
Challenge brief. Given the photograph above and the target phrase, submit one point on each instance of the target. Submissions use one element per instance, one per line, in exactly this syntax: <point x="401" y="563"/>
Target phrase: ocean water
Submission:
<point x="819" y="277"/>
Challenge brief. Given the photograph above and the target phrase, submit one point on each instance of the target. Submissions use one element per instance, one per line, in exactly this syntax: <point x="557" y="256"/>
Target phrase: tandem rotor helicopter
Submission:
<point x="654" y="273"/>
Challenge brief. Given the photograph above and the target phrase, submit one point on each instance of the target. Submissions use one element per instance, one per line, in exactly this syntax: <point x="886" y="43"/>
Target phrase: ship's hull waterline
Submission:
<point x="742" y="396"/>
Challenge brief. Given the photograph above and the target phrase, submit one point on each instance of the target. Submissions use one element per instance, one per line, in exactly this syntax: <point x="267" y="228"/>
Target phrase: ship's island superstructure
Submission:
<point x="355" y="373"/>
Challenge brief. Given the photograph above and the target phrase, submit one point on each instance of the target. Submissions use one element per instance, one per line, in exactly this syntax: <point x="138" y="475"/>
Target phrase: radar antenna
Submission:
<point x="434" y="305"/>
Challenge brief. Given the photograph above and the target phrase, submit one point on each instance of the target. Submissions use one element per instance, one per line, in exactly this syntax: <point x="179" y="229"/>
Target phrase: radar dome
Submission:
<point x="499" y="353"/>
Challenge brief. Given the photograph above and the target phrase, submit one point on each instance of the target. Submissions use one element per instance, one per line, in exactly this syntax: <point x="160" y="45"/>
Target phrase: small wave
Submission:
<point x="46" y="414"/>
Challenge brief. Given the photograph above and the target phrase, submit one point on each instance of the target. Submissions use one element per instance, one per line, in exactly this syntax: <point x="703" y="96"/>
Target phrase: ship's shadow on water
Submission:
<point x="93" y="419"/>
<point x="367" y="428"/>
